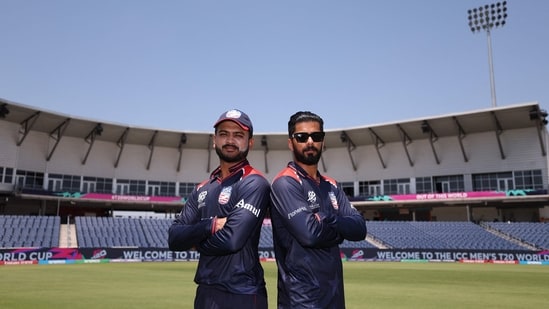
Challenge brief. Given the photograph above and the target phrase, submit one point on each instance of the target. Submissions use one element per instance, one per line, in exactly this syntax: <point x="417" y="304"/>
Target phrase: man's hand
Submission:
<point x="219" y="224"/>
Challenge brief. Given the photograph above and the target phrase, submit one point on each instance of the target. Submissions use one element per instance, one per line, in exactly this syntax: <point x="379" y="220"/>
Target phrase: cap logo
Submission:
<point x="233" y="114"/>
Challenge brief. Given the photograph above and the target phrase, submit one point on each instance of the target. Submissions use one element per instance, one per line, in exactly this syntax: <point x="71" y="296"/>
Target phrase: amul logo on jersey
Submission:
<point x="251" y="208"/>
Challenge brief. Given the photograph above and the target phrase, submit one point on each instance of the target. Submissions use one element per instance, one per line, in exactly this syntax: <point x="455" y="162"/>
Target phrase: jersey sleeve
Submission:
<point x="244" y="219"/>
<point x="350" y="223"/>
<point x="308" y="226"/>
<point x="188" y="229"/>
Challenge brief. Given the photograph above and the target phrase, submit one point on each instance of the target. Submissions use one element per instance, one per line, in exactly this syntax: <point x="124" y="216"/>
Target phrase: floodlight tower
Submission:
<point x="485" y="18"/>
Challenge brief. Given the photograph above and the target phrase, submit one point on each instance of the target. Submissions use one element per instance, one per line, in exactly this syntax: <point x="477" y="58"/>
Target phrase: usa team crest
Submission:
<point x="333" y="199"/>
<point x="225" y="195"/>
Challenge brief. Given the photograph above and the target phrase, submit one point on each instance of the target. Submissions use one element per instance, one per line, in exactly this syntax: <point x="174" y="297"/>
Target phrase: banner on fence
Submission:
<point x="100" y="255"/>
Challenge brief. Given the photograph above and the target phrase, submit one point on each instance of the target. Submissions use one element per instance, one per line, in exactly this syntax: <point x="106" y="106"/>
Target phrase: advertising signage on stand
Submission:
<point x="104" y="255"/>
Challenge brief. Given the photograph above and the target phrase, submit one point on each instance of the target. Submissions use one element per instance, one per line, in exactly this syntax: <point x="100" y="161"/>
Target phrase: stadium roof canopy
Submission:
<point x="496" y="119"/>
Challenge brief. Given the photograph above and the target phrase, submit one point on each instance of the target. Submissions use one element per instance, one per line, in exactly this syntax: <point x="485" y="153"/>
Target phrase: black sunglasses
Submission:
<point x="303" y="137"/>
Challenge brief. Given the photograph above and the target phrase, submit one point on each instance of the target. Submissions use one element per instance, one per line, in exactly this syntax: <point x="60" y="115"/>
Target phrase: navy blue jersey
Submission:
<point x="229" y="258"/>
<point x="310" y="219"/>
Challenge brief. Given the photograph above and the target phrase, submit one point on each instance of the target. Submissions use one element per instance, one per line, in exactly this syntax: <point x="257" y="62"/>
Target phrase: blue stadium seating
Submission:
<point x="266" y="238"/>
<point x="437" y="235"/>
<point x="29" y="231"/>
<point x="357" y="244"/>
<point x="533" y="233"/>
<point x="122" y="232"/>
<point x="42" y="231"/>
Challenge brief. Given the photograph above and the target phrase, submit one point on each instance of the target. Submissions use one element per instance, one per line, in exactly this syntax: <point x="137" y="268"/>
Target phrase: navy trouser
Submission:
<point x="212" y="298"/>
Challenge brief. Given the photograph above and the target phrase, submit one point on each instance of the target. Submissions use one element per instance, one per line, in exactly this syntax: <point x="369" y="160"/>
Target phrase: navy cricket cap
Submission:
<point x="238" y="117"/>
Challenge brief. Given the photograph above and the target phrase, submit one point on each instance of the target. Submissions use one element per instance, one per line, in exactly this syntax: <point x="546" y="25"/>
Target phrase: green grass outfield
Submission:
<point x="367" y="285"/>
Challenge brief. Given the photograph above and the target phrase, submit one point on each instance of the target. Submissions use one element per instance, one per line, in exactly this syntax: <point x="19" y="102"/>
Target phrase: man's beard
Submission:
<point x="308" y="159"/>
<point x="241" y="155"/>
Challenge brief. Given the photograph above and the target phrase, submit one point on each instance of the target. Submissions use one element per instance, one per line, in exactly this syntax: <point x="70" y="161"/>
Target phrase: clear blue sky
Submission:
<point x="177" y="64"/>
